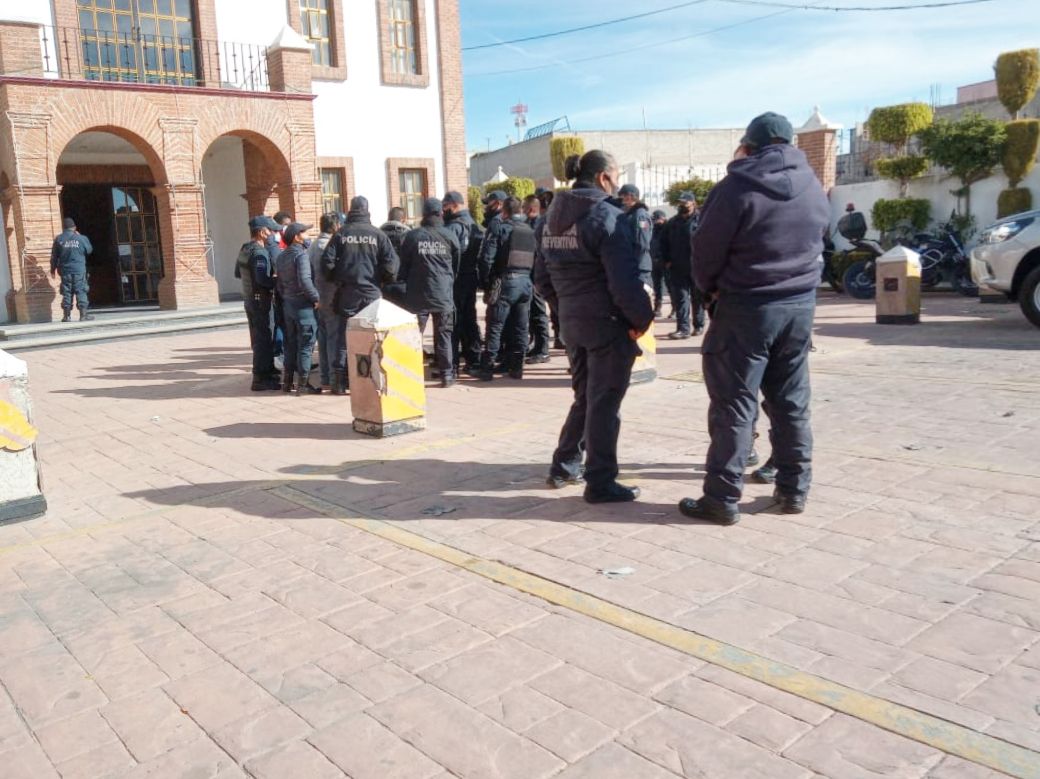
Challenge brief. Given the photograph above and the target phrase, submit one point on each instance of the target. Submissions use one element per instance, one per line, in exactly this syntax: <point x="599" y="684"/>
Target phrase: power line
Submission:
<point x="586" y="27"/>
<point x="808" y="7"/>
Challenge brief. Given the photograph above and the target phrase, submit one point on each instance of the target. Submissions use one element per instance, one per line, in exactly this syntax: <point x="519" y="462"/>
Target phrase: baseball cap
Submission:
<point x="541" y="191"/>
<point x="454" y="197"/>
<point x="687" y="197"/>
<point x="68" y="224"/>
<point x="432" y="207"/>
<point x="263" y="221"/>
<point x="359" y="203"/>
<point x="658" y="214"/>
<point x="765" y="127"/>
<point x="293" y="230"/>
<point x="497" y="194"/>
<point x="629" y="189"/>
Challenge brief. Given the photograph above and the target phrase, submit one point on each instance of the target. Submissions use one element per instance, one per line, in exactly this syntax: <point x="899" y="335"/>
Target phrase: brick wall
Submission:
<point x="394" y="165"/>
<point x="20" y="49"/>
<point x="420" y="79"/>
<point x="821" y="149"/>
<point x="449" y="39"/>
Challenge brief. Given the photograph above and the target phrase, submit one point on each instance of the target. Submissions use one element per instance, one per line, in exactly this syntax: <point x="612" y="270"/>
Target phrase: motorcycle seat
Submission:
<point x="866" y="243"/>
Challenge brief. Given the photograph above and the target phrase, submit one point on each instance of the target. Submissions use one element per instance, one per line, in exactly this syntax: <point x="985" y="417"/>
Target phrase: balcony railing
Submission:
<point x="139" y="58"/>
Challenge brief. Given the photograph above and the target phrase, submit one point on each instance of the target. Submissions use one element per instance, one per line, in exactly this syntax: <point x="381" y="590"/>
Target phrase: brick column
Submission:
<point x="289" y="63"/>
<point x="821" y="147"/>
<point x="449" y="46"/>
<point x="20" y="52"/>
<point x="34" y="215"/>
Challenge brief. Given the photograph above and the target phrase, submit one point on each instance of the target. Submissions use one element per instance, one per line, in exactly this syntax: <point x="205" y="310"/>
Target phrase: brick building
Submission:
<point x="160" y="126"/>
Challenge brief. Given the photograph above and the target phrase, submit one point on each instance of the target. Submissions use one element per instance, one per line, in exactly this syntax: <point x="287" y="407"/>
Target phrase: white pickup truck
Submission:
<point x="1007" y="259"/>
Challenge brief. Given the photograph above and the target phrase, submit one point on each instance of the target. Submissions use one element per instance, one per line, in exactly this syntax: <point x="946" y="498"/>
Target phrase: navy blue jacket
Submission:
<point x="261" y="266"/>
<point x="429" y="262"/>
<point x="69" y="252"/>
<point x="641" y="226"/>
<point x="295" y="284"/>
<point x="493" y="239"/>
<point x="676" y="248"/>
<point x="762" y="227"/>
<point x="359" y="258"/>
<point x="587" y="265"/>
<point x="470" y="236"/>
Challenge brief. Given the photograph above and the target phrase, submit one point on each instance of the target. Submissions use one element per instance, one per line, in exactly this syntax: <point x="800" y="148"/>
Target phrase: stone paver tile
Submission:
<point x="601" y="699"/>
<point x="613" y="761"/>
<point x="365" y="749"/>
<point x="179" y="654"/>
<point x="416" y="590"/>
<point x="296" y="683"/>
<point x="1007" y="608"/>
<point x="13" y="731"/>
<point x="311" y="596"/>
<point x="570" y="734"/>
<point x="847" y="672"/>
<point x="641" y="666"/>
<point x="1012" y="694"/>
<point x="74" y="736"/>
<point x="520" y="708"/>
<point x="379" y="632"/>
<point x="27" y="761"/>
<point x="22" y="631"/>
<point x="973" y="642"/>
<point x="954" y="712"/>
<point x="957" y="565"/>
<point x="219" y="695"/>
<point x="325" y="707"/>
<point x="852" y="749"/>
<point x="955" y="768"/>
<point x="691" y="747"/>
<point x="435" y="644"/>
<point x="489" y="609"/>
<point x="799" y="708"/>
<point x="110" y="759"/>
<point x="258" y="733"/>
<point x="1016" y="734"/>
<point x="701" y="583"/>
<point x="938" y="678"/>
<point x="462" y="739"/>
<point x="294" y="759"/>
<point x="488" y="670"/>
<point x="126" y="671"/>
<point x="812" y="568"/>
<point x="48" y="684"/>
<point x="839" y="643"/>
<point x="735" y="620"/>
<point x="150" y="724"/>
<point x="383" y="681"/>
<point x="704" y="700"/>
<point x="348" y="660"/>
<point x="769" y="728"/>
<point x="267" y="659"/>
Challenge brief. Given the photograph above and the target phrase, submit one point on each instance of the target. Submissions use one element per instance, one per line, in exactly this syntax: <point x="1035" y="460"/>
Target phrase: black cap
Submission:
<point x="432" y="207"/>
<point x="765" y="127"/>
<point x="68" y="224"/>
<point x="687" y="197"/>
<point x="359" y="203"/>
<point x="541" y="191"/>
<point x="629" y="189"/>
<point x="497" y="194"/>
<point x="263" y="221"/>
<point x="658" y="214"/>
<point x="454" y="197"/>
<point x="294" y="229"/>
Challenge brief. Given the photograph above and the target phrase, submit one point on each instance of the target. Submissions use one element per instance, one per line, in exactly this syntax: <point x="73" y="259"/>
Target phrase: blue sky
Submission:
<point x="844" y="62"/>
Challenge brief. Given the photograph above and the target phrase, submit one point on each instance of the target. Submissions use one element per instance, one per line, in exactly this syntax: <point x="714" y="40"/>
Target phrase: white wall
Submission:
<point x="6" y="315"/>
<point x="224" y="174"/>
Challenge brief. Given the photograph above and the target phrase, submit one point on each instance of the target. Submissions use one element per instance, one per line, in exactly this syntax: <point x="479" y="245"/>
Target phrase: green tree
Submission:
<point x="896" y="125"/>
<point x="698" y="186"/>
<point x="1018" y="76"/>
<point x="887" y="214"/>
<point x="475" y="203"/>
<point x="1020" y="149"/>
<point x="969" y="148"/>
<point x="516" y="186"/>
<point x="560" y="149"/>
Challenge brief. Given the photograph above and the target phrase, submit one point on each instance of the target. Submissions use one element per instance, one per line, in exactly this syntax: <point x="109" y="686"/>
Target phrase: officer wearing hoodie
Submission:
<point x="300" y="300"/>
<point x="429" y="264"/>
<point x="588" y="266"/>
<point x="359" y="260"/>
<point x="466" y="340"/>
<point x="758" y="254"/>
<point x="69" y="261"/>
<point x="678" y="259"/>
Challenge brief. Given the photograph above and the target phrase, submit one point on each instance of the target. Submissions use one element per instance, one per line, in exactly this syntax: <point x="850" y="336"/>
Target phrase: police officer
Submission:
<point x="69" y="261"/>
<point x="508" y="290"/>
<point x="588" y="264"/>
<point x="493" y="208"/>
<point x="541" y="334"/>
<point x="359" y="259"/>
<point x="637" y="215"/>
<point x="256" y="270"/>
<point x="545" y="197"/>
<point x="300" y="299"/>
<point x="678" y="258"/>
<point x="329" y="224"/>
<point x="466" y="339"/>
<point x="758" y="252"/>
<point x="430" y="258"/>
<point x="659" y="219"/>
<point x="275" y="246"/>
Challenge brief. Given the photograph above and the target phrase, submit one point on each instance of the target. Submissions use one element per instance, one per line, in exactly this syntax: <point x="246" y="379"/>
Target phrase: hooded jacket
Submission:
<point x="470" y="236"/>
<point x="588" y="264"/>
<point x="429" y="262"/>
<point x="294" y="276"/>
<point x="762" y="227"/>
<point x="395" y="231"/>
<point x="676" y="246"/>
<point x="326" y="288"/>
<point x="358" y="259"/>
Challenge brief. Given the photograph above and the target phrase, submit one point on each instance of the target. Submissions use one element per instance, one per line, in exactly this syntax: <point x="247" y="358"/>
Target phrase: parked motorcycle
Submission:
<point x="943" y="258"/>
<point x="855" y="266"/>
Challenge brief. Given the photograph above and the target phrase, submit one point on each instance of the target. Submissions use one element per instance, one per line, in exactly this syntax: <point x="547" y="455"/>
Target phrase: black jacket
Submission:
<point x="655" y="241"/>
<point x="295" y="284"/>
<point x="359" y="258"/>
<point x="587" y="263"/>
<point x="493" y="236"/>
<point x="641" y="227"/>
<point x="676" y="248"/>
<point x="470" y="236"/>
<point x="429" y="261"/>
<point x="69" y="252"/>
<point x="395" y="231"/>
<point x="762" y="227"/>
<point x="258" y="278"/>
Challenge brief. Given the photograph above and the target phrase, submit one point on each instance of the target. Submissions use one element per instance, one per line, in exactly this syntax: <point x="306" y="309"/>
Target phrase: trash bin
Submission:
<point x="21" y="486"/>
<point x="898" y="287"/>
<point x="385" y="364"/>
<point x="645" y="368"/>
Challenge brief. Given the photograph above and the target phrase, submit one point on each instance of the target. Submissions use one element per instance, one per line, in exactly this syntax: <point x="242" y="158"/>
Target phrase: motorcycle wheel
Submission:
<point x="963" y="283"/>
<point x="860" y="280"/>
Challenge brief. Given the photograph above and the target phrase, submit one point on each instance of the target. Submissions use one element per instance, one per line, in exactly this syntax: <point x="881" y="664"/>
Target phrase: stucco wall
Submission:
<point x="224" y="174"/>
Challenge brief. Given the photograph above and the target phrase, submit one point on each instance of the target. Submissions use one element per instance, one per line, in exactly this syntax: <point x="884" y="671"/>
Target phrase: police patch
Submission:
<point x="644" y="224"/>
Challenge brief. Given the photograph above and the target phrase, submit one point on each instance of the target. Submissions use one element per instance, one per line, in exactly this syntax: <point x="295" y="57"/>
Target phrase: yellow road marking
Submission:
<point x="924" y="728"/>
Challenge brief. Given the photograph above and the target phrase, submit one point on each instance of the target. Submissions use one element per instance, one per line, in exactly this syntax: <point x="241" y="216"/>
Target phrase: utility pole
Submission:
<point x="520" y="112"/>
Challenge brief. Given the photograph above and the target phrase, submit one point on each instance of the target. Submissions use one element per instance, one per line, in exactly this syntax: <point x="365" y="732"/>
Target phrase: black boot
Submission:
<point x="287" y="380"/>
<point x="304" y="386"/>
<point x="66" y="315"/>
<point x="85" y="316"/>
<point x="486" y="371"/>
<point x="339" y="383"/>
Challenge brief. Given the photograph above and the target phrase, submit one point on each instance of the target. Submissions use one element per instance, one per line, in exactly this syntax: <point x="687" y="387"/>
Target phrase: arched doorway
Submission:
<point x="111" y="188"/>
<point x="244" y="175"/>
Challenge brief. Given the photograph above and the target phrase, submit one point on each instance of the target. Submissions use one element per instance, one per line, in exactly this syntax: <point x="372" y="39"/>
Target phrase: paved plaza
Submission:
<point x="236" y="584"/>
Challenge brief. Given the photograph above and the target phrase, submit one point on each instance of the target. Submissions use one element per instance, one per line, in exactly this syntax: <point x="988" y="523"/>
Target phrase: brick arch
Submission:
<point x="151" y="157"/>
<point x="269" y="181"/>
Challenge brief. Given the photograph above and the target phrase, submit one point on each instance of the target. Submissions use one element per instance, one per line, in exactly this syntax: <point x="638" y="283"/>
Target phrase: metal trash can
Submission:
<point x="898" y="287"/>
<point x="385" y="365"/>
<point x="21" y="485"/>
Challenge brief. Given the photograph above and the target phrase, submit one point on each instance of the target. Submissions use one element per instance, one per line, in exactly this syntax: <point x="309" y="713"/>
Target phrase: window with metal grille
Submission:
<point x="402" y="37"/>
<point x="316" y="25"/>
<point x="412" y="183"/>
<point x="331" y="190"/>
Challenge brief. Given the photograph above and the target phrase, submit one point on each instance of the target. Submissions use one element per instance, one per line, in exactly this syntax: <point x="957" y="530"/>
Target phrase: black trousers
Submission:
<point x="443" y="336"/>
<point x="751" y="346"/>
<point x="261" y="339"/>
<point x="466" y="340"/>
<point x="540" y="325"/>
<point x="599" y="378"/>
<point x="513" y="307"/>
<point x="659" y="273"/>
<point x="686" y="300"/>
<point x="74" y="285"/>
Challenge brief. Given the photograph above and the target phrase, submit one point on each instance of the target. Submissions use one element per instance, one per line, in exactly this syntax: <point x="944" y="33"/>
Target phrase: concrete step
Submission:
<point x="119" y="324"/>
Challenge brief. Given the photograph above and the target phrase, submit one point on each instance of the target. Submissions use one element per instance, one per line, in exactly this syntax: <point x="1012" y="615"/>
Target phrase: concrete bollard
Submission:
<point x="385" y="363"/>
<point x="21" y="485"/>
<point x="898" y="287"/>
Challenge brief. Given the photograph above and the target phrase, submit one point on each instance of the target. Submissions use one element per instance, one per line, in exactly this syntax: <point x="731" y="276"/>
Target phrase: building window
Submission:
<point x="412" y="183"/>
<point x="331" y="190"/>
<point x="403" y="59"/>
<point x="316" y="27"/>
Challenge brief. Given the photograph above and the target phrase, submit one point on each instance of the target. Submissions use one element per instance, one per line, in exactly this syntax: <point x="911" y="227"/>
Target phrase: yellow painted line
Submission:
<point x="1024" y="387"/>
<point x="918" y="726"/>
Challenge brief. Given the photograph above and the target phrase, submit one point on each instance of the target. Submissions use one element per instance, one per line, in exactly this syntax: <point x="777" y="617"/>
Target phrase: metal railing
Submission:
<point x="139" y="58"/>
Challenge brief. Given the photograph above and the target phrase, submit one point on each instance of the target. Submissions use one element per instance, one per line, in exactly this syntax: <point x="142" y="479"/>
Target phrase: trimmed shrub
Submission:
<point x="902" y="168"/>
<point x="560" y="149"/>
<point x="969" y="148"/>
<point x="1014" y="201"/>
<point x="516" y="186"/>
<point x="886" y="214"/>
<point x="1020" y="148"/>
<point x="473" y="202"/>
<point x="1018" y="76"/>
<point x="896" y="124"/>
<point x="698" y="186"/>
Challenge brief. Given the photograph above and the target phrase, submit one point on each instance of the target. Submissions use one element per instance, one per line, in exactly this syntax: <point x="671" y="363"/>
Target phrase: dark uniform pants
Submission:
<point x="325" y="349"/>
<point x="751" y="346"/>
<point x="466" y="335"/>
<point x="599" y="378"/>
<point x="513" y="306"/>
<point x="336" y="332"/>
<point x="686" y="299"/>
<point x="278" y="320"/>
<point x="540" y="325"/>
<point x="659" y="274"/>
<point x="301" y="331"/>
<point x="74" y="284"/>
<point x="258" y="312"/>
<point x="443" y="336"/>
